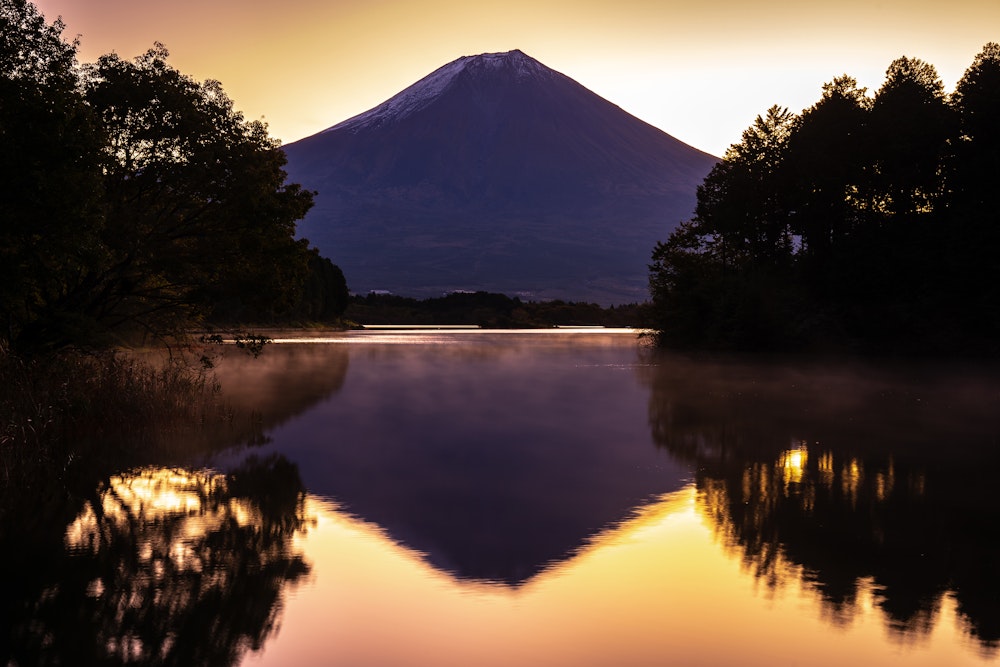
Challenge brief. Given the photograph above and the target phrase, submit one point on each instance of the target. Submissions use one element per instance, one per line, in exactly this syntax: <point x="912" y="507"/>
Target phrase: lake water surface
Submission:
<point x="542" y="498"/>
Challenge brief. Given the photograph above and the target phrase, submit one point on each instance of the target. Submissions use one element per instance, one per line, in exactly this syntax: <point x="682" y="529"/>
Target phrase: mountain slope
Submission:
<point x="495" y="172"/>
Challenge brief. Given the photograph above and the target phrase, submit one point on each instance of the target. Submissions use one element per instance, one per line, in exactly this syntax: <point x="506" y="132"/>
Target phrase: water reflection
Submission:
<point x="546" y="499"/>
<point x="119" y="564"/>
<point x="492" y="454"/>
<point x="163" y="566"/>
<point x="283" y="382"/>
<point x="873" y="484"/>
<point x="652" y="590"/>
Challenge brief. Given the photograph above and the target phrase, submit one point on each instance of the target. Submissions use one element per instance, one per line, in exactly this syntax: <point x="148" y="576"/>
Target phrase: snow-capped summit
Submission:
<point x="496" y="172"/>
<point x="412" y="99"/>
<point x="516" y="61"/>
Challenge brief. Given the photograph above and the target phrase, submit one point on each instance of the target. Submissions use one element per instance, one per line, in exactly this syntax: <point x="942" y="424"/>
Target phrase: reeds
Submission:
<point x="56" y="409"/>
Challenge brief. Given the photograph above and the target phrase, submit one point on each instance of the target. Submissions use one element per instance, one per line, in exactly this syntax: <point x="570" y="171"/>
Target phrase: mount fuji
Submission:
<point x="496" y="173"/>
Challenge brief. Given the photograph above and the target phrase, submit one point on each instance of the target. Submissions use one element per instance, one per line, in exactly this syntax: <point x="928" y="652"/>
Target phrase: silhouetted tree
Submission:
<point x="686" y="285"/>
<point x="325" y="295"/>
<point x="50" y="222"/>
<point x="825" y="167"/>
<point x="489" y="310"/>
<point x="977" y="167"/>
<point x="135" y="201"/>
<point x="863" y="223"/>
<point x="909" y="130"/>
<point x="742" y="203"/>
<point x="717" y="276"/>
<point x="974" y="194"/>
<point x="196" y="201"/>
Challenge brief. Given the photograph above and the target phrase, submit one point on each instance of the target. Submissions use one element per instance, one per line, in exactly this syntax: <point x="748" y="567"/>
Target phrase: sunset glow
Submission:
<point x="700" y="72"/>
<point x="658" y="584"/>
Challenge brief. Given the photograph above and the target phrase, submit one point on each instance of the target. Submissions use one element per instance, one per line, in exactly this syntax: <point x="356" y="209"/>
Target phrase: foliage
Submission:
<point x="488" y="310"/>
<point x="137" y="201"/>
<point x="974" y="195"/>
<point x="49" y="167"/>
<point x="862" y="223"/>
<point x="324" y="297"/>
<point x="196" y="206"/>
<point x="74" y="393"/>
<point x="62" y="409"/>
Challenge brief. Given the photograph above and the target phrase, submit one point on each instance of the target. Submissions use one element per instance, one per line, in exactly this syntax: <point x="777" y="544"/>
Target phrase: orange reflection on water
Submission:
<point x="793" y="464"/>
<point x="658" y="589"/>
<point x="168" y="566"/>
<point x="149" y="494"/>
<point x="851" y="479"/>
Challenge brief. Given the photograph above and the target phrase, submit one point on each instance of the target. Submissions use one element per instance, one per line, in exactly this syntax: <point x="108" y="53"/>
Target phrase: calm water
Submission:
<point x="475" y="498"/>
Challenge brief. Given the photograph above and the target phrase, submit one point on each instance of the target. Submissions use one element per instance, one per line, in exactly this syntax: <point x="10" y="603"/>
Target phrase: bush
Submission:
<point x="56" y="410"/>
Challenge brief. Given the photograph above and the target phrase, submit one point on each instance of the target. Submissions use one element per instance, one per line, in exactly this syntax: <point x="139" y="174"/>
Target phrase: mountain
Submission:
<point x="496" y="173"/>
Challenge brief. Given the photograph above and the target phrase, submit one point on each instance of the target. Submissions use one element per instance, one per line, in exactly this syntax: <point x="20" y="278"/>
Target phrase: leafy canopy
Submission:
<point x="862" y="223"/>
<point x="138" y="201"/>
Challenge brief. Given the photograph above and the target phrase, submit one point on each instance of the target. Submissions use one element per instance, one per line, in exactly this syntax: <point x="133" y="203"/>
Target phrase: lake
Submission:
<point x="536" y="498"/>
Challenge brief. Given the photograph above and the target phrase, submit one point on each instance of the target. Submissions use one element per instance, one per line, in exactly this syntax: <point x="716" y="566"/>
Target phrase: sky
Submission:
<point x="699" y="70"/>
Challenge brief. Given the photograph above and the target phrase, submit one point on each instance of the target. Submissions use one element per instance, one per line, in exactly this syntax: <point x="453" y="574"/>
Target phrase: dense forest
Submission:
<point x="865" y="223"/>
<point x="137" y="202"/>
<point x="488" y="310"/>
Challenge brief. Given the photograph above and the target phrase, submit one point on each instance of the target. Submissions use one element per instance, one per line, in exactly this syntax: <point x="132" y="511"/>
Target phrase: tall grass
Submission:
<point x="56" y="410"/>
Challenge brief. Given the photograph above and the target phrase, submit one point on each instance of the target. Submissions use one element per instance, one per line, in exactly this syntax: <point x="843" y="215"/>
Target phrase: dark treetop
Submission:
<point x="865" y="223"/>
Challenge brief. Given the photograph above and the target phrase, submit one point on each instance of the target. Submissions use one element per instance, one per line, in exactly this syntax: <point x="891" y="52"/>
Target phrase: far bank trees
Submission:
<point x="138" y="201"/>
<point x="866" y="223"/>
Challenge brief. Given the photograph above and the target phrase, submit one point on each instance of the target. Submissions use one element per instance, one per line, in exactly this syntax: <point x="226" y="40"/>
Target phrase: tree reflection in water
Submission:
<point x="870" y="484"/>
<point x="163" y="566"/>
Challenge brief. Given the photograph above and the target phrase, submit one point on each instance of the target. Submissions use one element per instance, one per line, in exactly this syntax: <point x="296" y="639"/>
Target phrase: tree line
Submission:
<point x="866" y="223"/>
<point x="488" y="310"/>
<point x="137" y="201"/>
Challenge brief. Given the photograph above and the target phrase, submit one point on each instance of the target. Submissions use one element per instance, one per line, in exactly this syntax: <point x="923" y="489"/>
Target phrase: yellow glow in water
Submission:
<point x="793" y="465"/>
<point x="850" y="479"/>
<point x="659" y="585"/>
<point x="826" y="472"/>
<point x="656" y="590"/>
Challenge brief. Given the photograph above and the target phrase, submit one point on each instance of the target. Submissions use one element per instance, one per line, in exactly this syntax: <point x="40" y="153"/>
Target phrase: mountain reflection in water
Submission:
<point x="537" y="499"/>
<point x="492" y="455"/>
<point x="653" y="590"/>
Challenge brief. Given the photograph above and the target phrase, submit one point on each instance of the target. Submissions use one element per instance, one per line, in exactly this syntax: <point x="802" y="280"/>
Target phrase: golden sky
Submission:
<point x="700" y="71"/>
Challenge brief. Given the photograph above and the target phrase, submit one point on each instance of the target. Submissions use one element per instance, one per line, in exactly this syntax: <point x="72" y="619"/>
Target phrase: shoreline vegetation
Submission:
<point x="73" y="415"/>
<point x="137" y="204"/>
<point x="865" y="224"/>
<point x="489" y="310"/>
